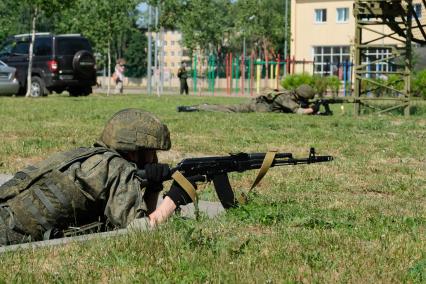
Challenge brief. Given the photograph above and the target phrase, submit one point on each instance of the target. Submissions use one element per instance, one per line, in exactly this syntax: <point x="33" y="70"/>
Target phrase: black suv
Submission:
<point x="60" y="62"/>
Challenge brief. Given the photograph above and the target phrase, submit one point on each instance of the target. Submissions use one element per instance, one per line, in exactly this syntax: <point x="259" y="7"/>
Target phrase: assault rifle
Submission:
<point x="325" y="102"/>
<point x="216" y="169"/>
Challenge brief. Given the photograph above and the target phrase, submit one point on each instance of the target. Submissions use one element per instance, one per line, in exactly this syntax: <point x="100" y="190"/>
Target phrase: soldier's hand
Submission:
<point x="157" y="172"/>
<point x="316" y="106"/>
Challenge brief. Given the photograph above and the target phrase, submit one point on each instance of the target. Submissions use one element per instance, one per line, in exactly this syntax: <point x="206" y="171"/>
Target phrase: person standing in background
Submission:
<point x="183" y="76"/>
<point x="119" y="75"/>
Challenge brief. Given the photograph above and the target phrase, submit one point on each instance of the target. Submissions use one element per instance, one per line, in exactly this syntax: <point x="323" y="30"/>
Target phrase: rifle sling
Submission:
<point x="224" y="191"/>
<point x="185" y="184"/>
<point x="266" y="164"/>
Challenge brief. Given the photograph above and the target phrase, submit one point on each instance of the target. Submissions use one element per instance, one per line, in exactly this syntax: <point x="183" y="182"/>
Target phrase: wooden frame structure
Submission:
<point x="402" y="22"/>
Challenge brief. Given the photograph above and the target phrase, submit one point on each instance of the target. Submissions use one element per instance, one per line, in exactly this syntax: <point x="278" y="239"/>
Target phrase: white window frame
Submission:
<point x="328" y="67"/>
<point x="377" y="53"/>
<point x="321" y="16"/>
<point x="345" y="15"/>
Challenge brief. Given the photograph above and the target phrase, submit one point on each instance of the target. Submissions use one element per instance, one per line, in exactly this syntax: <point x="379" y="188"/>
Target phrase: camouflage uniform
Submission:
<point x="275" y="101"/>
<point x="183" y="76"/>
<point x="80" y="186"/>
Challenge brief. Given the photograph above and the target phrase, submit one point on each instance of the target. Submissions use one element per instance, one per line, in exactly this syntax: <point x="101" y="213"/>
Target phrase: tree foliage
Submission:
<point x="135" y="54"/>
<point x="222" y="24"/>
<point x="262" y="24"/>
<point x="13" y="21"/>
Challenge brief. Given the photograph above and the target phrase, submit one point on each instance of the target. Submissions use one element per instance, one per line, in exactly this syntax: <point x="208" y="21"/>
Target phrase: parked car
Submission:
<point x="9" y="85"/>
<point x="60" y="63"/>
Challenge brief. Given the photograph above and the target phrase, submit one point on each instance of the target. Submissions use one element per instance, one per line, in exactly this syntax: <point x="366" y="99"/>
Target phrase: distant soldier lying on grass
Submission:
<point x="91" y="184"/>
<point x="296" y="101"/>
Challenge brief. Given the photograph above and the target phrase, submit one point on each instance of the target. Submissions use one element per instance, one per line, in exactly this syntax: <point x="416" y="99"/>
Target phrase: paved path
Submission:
<point x="138" y="90"/>
<point x="4" y="178"/>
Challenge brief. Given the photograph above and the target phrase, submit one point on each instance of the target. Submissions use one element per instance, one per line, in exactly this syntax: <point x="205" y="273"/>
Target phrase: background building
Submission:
<point x="174" y="52"/>
<point x="322" y="31"/>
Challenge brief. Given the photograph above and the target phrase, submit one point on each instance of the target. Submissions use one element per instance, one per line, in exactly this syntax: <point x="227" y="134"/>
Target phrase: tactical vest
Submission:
<point x="43" y="196"/>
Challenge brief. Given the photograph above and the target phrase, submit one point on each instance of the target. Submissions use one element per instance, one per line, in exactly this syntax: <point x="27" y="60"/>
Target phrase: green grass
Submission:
<point x="360" y="218"/>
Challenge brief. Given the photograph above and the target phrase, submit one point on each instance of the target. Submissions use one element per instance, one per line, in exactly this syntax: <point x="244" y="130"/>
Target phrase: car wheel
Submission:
<point x="76" y="92"/>
<point x="37" y="87"/>
<point x="87" y="91"/>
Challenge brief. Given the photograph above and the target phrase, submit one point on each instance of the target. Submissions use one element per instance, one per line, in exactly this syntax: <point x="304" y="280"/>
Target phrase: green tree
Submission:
<point x="37" y="8"/>
<point x="261" y="22"/>
<point x="105" y="23"/>
<point x="13" y="21"/>
<point x="205" y="25"/>
<point x="135" y="54"/>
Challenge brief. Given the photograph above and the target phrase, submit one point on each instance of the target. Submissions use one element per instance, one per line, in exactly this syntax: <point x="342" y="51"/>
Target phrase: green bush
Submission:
<point x="293" y="81"/>
<point x="378" y="87"/>
<point x="320" y="85"/>
<point x="419" y="84"/>
<point x="333" y="84"/>
<point x="395" y="81"/>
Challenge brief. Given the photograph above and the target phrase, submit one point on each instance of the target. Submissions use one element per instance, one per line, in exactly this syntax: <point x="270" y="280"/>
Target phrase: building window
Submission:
<point x="172" y="53"/>
<point x="173" y="64"/>
<point x="320" y="15"/>
<point x="165" y="53"/>
<point x="418" y="10"/>
<point x="165" y="42"/>
<point x="342" y="15"/>
<point x="378" y="57"/>
<point x="328" y="60"/>
<point x="173" y="42"/>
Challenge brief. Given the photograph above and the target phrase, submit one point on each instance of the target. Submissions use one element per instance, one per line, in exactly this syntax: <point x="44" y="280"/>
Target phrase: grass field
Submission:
<point x="360" y="218"/>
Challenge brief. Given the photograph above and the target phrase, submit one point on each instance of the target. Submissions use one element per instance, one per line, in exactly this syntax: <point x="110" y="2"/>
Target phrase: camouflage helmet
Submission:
<point x="134" y="129"/>
<point x="305" y="91"/>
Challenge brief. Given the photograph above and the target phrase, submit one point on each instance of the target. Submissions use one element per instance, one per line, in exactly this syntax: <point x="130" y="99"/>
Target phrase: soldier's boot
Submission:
<point x="186" y="109"/>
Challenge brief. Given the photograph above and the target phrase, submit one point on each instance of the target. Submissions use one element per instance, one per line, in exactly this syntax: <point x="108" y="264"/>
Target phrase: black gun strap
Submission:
<point x="185" y="184"/>
<point x="266" y="164"/>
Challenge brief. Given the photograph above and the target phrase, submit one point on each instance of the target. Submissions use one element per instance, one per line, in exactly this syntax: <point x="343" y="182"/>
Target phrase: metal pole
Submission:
<point x="149" y="70"/>
<point x="162" y="60"/>
<point x="357" y="63"/>
<point x="156" y="51"/>
<point x="408" y="58"/>
<point x="285" y="30"/>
